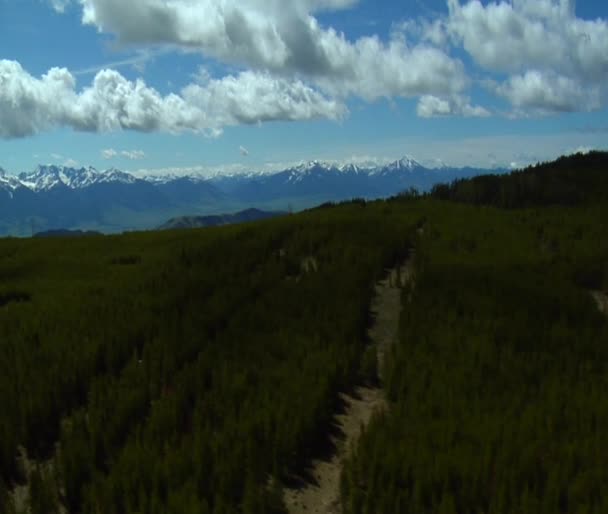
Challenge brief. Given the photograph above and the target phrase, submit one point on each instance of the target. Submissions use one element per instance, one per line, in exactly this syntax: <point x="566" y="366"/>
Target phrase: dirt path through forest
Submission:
<point x="321" y="493"/>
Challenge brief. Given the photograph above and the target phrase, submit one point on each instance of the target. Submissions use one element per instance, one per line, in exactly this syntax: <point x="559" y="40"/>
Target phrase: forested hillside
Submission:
<point x="186" y="371"/>
<point x="196" y="371"/>
<point x="498" y="384"/>
<point x="570" y="180"/>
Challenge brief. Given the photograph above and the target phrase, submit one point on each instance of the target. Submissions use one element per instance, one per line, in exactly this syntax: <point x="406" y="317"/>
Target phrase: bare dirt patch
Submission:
<point x="321" y="492"/>
<point x="385" y="310"/>
<point x="20" y="495"/>
<point x="601" y="299"/>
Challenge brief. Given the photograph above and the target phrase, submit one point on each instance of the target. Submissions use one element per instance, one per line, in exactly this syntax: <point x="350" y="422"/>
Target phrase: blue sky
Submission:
<point x="186" y="85"/>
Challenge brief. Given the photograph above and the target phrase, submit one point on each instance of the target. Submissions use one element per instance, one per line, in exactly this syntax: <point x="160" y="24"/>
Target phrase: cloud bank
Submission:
<point x="282" y="37"/>
<point x="536" y="56"/>
<point x="556" y="62"/>
<point x="430" y="106"/>
<point x="29" y="105"/>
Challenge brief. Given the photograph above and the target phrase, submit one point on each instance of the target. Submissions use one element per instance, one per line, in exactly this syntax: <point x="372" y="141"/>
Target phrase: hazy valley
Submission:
<point x="59" y="197"/>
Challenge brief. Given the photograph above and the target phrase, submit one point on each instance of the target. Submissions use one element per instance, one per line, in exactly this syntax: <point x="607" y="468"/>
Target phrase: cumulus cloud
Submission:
<point x="109" y="153"/>
<point x="556" y="61"/>
<point x="523" y="34"/>
<point x="547" y="92"/>
<point x="537" y="54"/>
<point x="283" y="37"/>
<point x="29" y="105"/>
<point x="252" y="97"/>
<point x="60" y="5"/>
<point x="431" y="106"/>
<point x="133" y="155"/>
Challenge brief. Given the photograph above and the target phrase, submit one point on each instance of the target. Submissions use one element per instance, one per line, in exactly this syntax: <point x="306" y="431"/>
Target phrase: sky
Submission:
<point x="178" y="86"/>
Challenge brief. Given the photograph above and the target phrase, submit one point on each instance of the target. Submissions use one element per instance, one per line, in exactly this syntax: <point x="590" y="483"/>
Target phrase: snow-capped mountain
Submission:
<point x="45" y="178"/>
<point x="112" y="176"/>
<point x="333" y="181"/>
<point x="48" y="177"/>
<point x="405" y="164"/>
<point x="8" y="182"/>
<point x="72" y="198"/>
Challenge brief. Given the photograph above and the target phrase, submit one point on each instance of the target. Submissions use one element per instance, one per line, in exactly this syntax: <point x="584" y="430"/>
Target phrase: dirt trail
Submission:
<point x="321" y="493"/>
<point x="601" y="299"/>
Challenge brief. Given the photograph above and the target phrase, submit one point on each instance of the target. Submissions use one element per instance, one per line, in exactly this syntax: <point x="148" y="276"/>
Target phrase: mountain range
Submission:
<point x="60" y="197"/>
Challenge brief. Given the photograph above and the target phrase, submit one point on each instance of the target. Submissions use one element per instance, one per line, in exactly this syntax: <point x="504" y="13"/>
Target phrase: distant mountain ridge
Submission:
<point x="66" y="233"/>
<point x="216" y="220"/>
<point x="61" y="197"/>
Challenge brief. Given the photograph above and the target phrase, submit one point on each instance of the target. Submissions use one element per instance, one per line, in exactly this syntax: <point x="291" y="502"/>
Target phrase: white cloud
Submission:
<point x="431" y="106"/>
<point x="557" y="62"/>
<point x="109" y="153"/>
<point x="60" y="5"/>
<point x="29" y="105"/>
<point x="66" y="161"/>
<point x="523" y="34"/>
<point x="370" y="69"/>
<point x="71" y="163"/>
<point x="537" y="54"/>
<point x="252" y="97"/>
<point x="283" y="37"/>
<point x="546" y="92"/>
<point x="133" y="155"/>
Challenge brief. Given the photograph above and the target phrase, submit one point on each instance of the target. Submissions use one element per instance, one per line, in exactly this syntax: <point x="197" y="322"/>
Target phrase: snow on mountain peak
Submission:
<point x="8" y="182"/>
<point x="43" y="178"/>
<point x="407" y="163"/>
<point x="47" y="177"/>
<point x="311" y="165"/>
<point x="79" y="178"/>
<point x="115" y="175"/>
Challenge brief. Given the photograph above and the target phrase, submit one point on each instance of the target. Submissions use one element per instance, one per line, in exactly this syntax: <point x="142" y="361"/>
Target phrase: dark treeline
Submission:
<point x="571" y="180"/>
<point x="186" y="371"/>
<point x="497" y="385"/>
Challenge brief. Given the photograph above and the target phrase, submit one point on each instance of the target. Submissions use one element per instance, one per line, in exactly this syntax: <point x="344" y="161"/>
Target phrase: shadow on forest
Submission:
<point x="14" y="297"/>
<point x="325" y="449"/>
